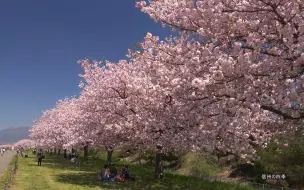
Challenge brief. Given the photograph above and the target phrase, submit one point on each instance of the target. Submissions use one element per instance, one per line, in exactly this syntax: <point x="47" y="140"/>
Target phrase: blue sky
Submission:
<point x="41" y="42"/>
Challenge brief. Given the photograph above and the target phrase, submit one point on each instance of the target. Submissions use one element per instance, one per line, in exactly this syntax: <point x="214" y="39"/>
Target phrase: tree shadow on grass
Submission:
<point x="67" y="165"/>
<point x="244" y="170"/>
<point x="81" y="178"/>
<point x="86" y="174"/>
<point x="34" y="159"/>
<point x="144" y="180"/>
<point x="172" y="182"/>
<point x="90" y="180"/>
<point x="90" y="166"/>
<point x="42" y="165"/>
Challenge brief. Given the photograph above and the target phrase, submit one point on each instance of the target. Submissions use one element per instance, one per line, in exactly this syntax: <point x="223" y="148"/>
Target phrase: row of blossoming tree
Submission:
<point x="23" y="145"/>
<point x="225" y="83"/>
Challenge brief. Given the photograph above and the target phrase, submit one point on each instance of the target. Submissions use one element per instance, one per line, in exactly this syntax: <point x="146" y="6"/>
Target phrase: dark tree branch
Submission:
<point x="272" y="54"/>
<point x="284" y="115"/>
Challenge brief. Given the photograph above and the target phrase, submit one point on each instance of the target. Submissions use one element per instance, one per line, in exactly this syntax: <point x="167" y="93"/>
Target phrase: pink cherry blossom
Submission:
<point x="215" y="86"/>
<point x="24" y="144"/>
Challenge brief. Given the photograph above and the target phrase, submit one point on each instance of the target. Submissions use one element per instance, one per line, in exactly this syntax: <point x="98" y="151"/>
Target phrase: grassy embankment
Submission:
<point x="56" y="173"/>
<point x="5" y="177"/>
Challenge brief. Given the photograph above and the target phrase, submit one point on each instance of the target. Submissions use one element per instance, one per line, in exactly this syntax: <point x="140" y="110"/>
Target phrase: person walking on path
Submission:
<point x="39" y="156"/>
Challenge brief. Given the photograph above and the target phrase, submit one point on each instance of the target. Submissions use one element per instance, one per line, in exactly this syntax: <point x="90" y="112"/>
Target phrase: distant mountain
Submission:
<point x="12" y="135"/>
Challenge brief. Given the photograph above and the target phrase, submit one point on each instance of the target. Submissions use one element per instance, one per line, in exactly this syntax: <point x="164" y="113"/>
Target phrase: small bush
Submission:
<point x="278" y="158"/>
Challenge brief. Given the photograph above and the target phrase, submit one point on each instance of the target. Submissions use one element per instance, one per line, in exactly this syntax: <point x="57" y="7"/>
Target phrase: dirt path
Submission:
<point x="5" y="160"/>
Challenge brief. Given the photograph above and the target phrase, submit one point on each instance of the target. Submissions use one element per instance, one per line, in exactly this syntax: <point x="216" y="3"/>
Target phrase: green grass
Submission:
<point x="5" y="177"/>
<point x="56" y="173"/>
<point x="194" y="164"/>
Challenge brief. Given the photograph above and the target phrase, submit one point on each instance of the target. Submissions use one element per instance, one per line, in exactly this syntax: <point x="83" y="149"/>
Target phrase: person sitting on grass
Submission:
<point x="127" y="174"/>
<point x="120" y="177"/>
<point x="124" y="176"/>
<point x="113" y="171"/>
<point x="105" y="173"/>
<point x="73" y="160"/>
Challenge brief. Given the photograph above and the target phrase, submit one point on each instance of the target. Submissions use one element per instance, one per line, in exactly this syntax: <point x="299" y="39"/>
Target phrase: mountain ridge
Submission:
<point x="13" y="134"/>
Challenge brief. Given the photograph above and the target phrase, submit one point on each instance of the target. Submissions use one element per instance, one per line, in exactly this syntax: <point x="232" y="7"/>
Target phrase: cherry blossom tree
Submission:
<point x="255" y="22"/>
<point x="242" y="61"/>
<point x="45" y="131"/>
<point x="56" y="128"/>
<point x="24" y="144"/>
<point x="229" y="62"/>
<point x="224" y="84"/>
<point x="5" y="145"/>
<point x="105" y="103"/>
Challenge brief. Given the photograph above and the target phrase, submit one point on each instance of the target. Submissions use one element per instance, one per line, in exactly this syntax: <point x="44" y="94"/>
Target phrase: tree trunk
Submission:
<point x="54" y="150"/>
<point x="140" y="155"/>
<point x="158" y="173"/>
<point x="86" y="152"/>
<point x="218" y="157"/>
<point x="58" y="151"/>
<point x="109" y="155"/>
<point x="65" y="153"/>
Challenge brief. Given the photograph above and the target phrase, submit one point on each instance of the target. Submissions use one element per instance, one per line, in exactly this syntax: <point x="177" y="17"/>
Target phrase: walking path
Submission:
<point x="5" y="160"/>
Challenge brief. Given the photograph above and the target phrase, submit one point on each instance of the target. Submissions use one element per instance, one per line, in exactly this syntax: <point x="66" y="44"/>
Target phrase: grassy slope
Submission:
<point x="5" y="177"/>
<point x="56" y="173"/>
<point x="193" y="164"/>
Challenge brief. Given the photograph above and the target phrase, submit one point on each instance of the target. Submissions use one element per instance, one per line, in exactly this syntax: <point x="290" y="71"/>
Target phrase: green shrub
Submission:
<point x="170" y="157"/>
<point x="149" y="156"/>
<point x="278" y="158"/>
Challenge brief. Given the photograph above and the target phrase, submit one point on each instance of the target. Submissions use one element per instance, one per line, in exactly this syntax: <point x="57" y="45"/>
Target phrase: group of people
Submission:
<point x="111" y="174"/>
